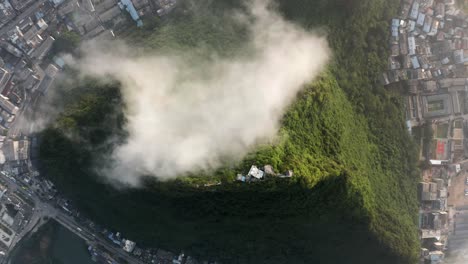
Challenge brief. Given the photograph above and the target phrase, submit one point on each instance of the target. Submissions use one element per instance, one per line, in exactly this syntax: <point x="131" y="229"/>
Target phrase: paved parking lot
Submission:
<point x="457" y="196"/>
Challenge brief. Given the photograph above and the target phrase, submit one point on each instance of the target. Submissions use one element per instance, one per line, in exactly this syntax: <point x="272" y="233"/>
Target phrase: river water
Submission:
<point x="52" y="243"/>
<point x="68" y="248"/>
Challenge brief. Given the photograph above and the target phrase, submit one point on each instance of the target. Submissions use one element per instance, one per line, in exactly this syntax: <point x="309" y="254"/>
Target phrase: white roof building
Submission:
<point x="6" y="218"/>
<point x="7" y="105"/>
<point x="438" y="162"/>
<point x="255" y="172"/>
<point x="129" y="246"/>
<point x="428" y="233"/>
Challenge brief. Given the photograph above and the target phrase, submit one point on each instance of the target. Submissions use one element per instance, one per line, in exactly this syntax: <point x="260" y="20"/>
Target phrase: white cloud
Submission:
<point x="184" y="117"/>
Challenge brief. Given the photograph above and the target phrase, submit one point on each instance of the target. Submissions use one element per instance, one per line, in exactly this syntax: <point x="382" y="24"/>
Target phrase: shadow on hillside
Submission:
<point x="268" y="222"/>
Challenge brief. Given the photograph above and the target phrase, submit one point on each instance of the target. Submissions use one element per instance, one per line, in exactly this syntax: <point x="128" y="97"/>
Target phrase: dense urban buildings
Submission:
<point x="29" y="66"/>
<point x="428" y="47"/>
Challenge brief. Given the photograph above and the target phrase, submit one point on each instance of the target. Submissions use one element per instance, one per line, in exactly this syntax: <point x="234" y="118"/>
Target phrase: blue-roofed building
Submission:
<point x="395" y="32"/>
<point x="415" y="62"/>
<point x="59" y="61"/>
<point x="39" y="15"/>
<point x="421" y="18"/>
<point x="414" y="11"/>
<point x="57" y="2"/>
<point x="128" y="5"/>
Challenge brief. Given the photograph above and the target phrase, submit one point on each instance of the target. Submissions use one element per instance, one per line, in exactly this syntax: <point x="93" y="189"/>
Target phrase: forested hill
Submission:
<point x="353" y="197"/>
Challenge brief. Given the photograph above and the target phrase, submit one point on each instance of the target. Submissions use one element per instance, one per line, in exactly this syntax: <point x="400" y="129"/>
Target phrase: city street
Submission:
<point x="44" y="210"/>
<point x="30" y="69"/>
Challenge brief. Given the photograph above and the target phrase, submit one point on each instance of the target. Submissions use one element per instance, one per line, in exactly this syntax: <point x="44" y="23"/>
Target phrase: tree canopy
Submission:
<point x="353" y="197"/>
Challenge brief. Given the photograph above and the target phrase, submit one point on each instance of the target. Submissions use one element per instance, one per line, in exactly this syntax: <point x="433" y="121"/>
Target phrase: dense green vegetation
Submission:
<point x="65" y="42"/>
<point x="353" y="199"/>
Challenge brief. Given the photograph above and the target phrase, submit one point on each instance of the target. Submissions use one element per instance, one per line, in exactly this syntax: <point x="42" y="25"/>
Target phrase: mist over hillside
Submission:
<point x="187" y="114"/>
<point x="352" y="198"/>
